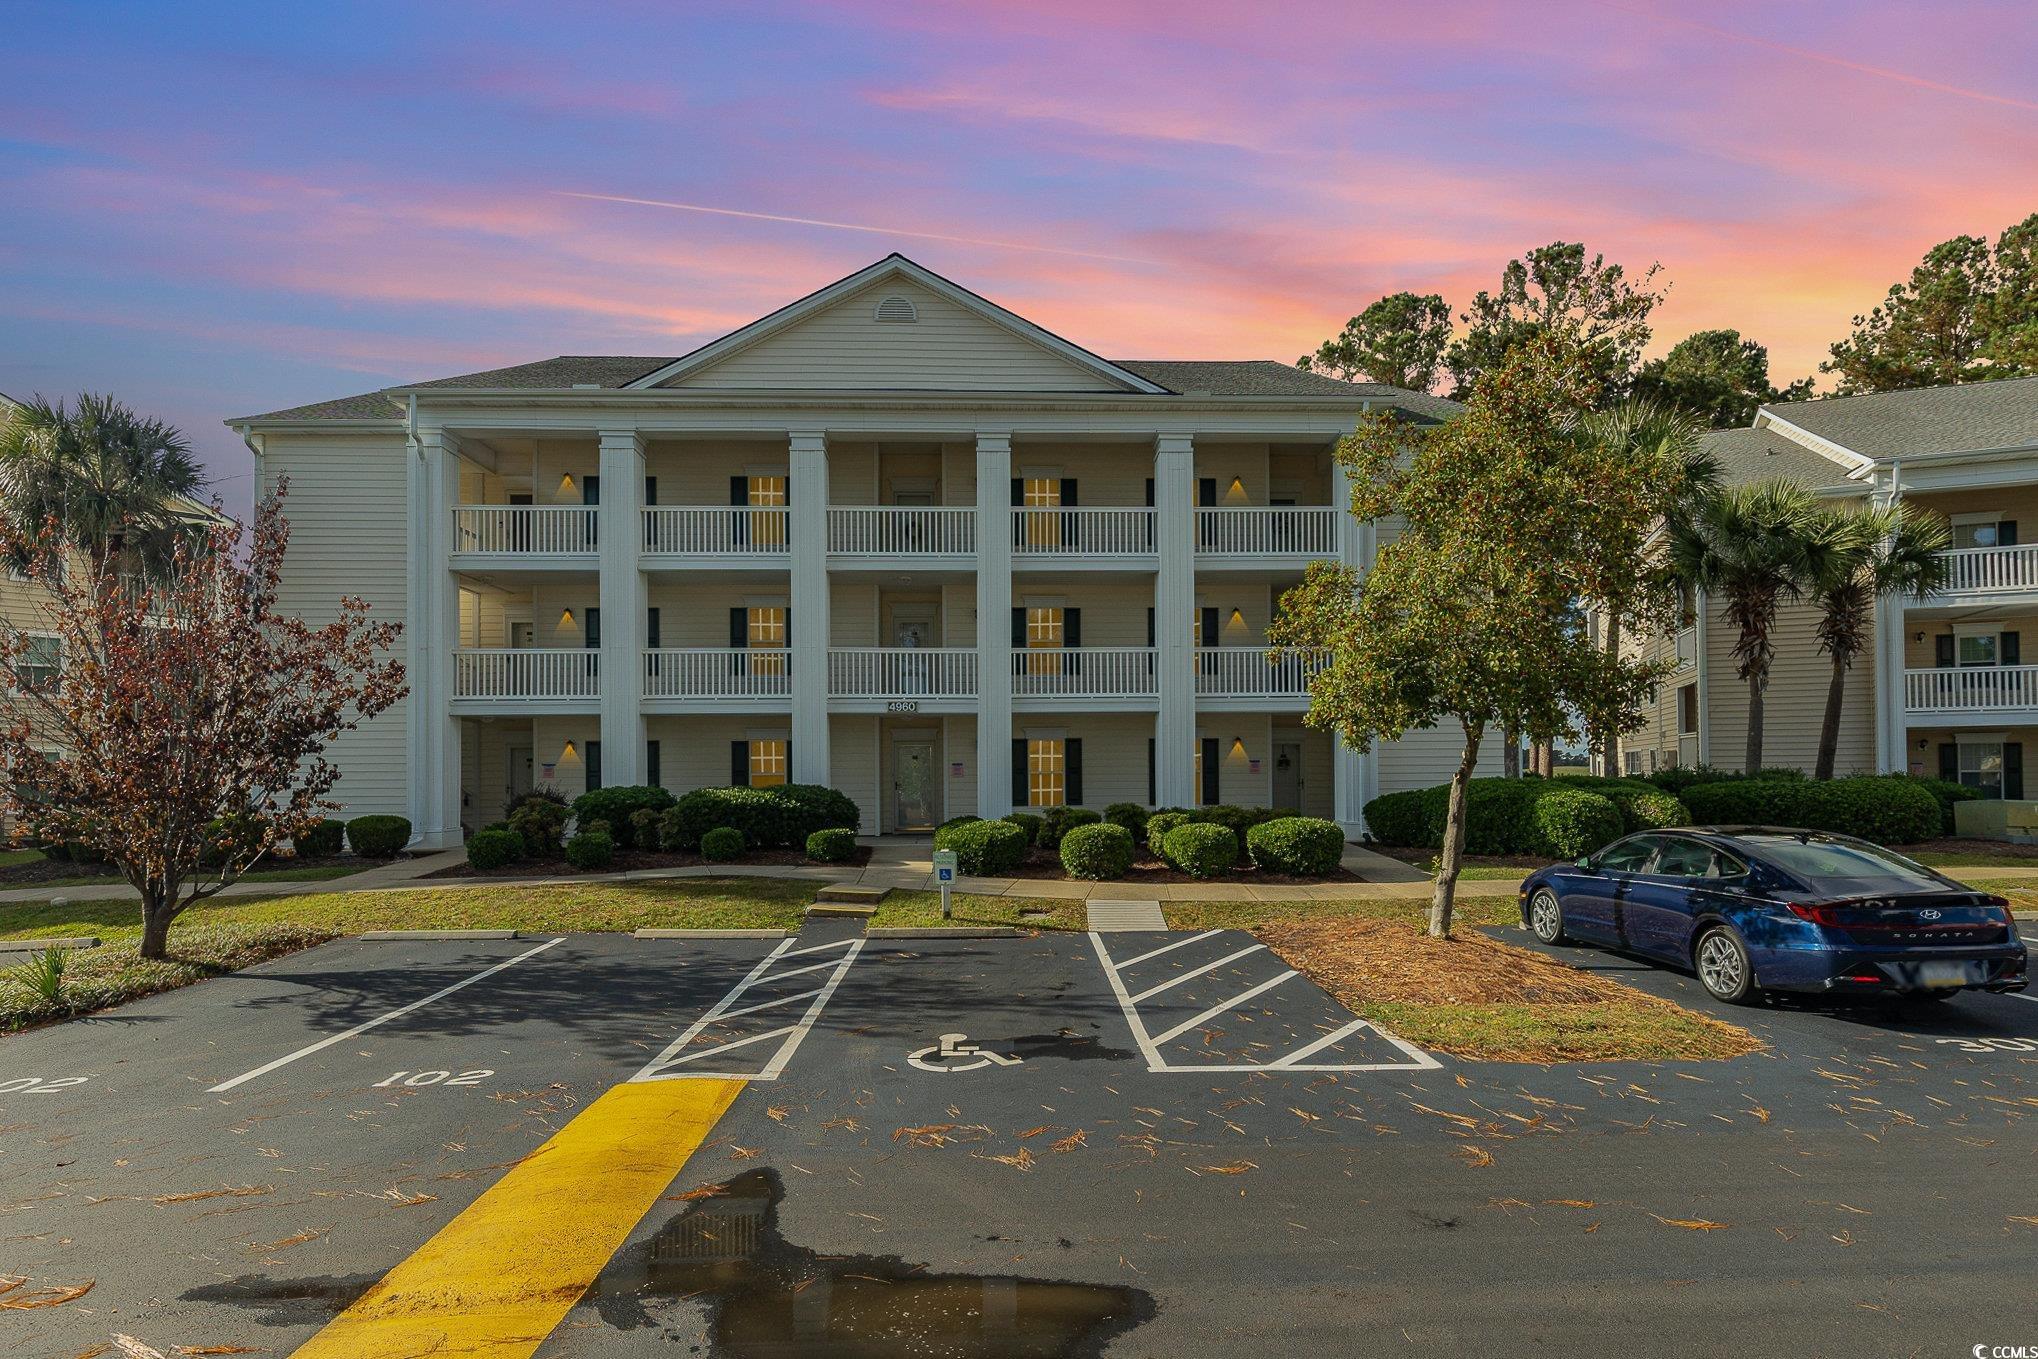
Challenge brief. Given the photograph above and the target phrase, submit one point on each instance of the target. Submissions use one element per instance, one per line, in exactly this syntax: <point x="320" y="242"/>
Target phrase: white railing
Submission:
<point x="1991" y="568"/>
<point x="1304" y="530"/>
<point x="900" y="530"/>
<point x="1084" y="672"/>
<point x="715" y="530"/>
<point x="718" y="672"/>
<point x="1085" y="531"/>
<point x="523" y="528"/>
<point x="1245" y="672"/>
<point x="527" y="672"/>
<point x="1687" y="648"/>
<point x="1974" y="688"/>
<point x="896" y="672"/>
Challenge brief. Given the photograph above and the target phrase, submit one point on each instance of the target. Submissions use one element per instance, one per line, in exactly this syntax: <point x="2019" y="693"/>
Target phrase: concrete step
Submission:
<point x="841" y="908"/>
<point x="851" y="894"/>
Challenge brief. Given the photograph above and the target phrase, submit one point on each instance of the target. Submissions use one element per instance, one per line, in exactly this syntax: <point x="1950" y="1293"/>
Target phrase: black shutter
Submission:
<point x="592" y="634"/>
<point x="593" y="765"/>
<point x="739" y="627"/>
<point x="2009" y="649"/>
<point x="590" y="490"/>
<point x="1149" y="625"/>
<point x="651" y="490"/>
<point x="1206" y="492"/>
<point x="1072" y="763"/>
<point x="1210" y="771"/>
<point x="2006" y="533"/>
<point x="1149" y="492"/>
<point x="2013" y="770"/>
<point x="739" y="490"/>
<point x="1942" y="651"/>
<point x="1020" y="787"/>
<point x="653" y="776"/>
<point x="1209" y="627"/>
<point x="739" y="764"/>
<point x="651" y="628"/>
<point x="1149" y="772"/>
<point x="519" y="497"/>
<point x="1018" y="491"/>
<point x="1072" y="627"/>
<point x="1949" y="761"/>
<point x="1019" y="627"/>
<point x="1068" y="491"/>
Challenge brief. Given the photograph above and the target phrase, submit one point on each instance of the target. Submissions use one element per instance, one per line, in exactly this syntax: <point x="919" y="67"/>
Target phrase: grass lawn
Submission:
<point x="10" y="857"/>
<point x="318" y="874"/>
<point x="919" y="909"/>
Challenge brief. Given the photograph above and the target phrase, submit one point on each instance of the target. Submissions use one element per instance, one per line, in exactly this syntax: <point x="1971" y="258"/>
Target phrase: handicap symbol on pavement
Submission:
<point x="956" y="1053"/>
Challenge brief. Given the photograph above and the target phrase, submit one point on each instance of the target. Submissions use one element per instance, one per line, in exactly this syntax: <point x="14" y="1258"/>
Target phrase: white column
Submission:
<point x="619" y="528"/>
<point x="808" y="492"/>
<point x="432" y="632"/>
<point x="1354" y="773"/>
<point x="1174" y="614"/>
<point x="1892" y="732"/>
<point x="994" y="633"/>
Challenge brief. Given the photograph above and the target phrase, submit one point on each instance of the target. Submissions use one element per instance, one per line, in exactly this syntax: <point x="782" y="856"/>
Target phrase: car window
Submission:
<point x="1626" y="856"/>
<point x="1818" y="859"/>
<point x="1684" y="859"/>
<point x="1726" y="865"/>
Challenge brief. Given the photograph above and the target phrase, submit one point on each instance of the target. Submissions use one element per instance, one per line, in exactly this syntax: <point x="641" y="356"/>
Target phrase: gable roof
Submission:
<point x="1747" y="455"/>
<point x="1969" y="418"/>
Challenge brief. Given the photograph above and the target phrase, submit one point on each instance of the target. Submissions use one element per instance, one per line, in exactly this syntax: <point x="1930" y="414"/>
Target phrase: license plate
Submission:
<point x="1942" y="974"/>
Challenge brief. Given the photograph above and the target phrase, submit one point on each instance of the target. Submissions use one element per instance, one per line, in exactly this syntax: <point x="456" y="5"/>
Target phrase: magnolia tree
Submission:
<point x="182" y="731"/>
<point x="1471" y="615"/>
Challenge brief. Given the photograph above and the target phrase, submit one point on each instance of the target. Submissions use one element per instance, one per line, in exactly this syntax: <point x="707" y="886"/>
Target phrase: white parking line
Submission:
<point x="659" y="1067"/>
<point x="2022" y="995"/>
<point x="1153" y="991"/>
<point x="345" y="1034"/>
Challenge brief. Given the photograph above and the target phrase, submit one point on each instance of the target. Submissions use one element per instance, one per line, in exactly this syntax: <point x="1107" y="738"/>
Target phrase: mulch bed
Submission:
<point x="55" y="870"/>
<point x="1046" y="863"/>
<point x="1394" y="960"/>
<point x="638" y="860"/>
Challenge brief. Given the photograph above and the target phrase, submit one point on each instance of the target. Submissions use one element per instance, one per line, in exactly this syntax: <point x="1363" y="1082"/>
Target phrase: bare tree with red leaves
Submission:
<point x="182" y="733"/>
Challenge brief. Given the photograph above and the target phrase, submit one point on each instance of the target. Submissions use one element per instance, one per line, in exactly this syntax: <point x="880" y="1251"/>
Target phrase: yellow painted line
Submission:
<point x="496" y="1279"/>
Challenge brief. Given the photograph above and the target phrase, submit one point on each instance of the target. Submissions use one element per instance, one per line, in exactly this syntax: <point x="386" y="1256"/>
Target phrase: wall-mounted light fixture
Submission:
<point x="566" y="484"/>
<point x="1234" y="494"/>
<point x="1917" y="637"/>
<point x="1237" y="746"/>
<point x="566" y="618"/>
<point x="567" y="753"/>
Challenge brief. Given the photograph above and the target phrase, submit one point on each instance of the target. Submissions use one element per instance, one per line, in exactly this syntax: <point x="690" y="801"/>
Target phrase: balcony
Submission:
<point x="902" y="679"/>
<point x="1238" y="535"/>
<point x="1089" y="537"/>
<point x="540" y="531"/>
<point x="1991" y="570"/>
<point x="562" y="679"/>
<point x="1242" y="676"/>
<point x="1108" y="676"/>
<point x="719" y="535"/>
<point x="727" y="679"/>
<point x="1990" y="691"/>
<point x="885" y="533"/>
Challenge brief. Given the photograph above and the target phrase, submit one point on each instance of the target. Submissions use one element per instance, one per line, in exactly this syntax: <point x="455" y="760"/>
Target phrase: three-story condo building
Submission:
<point x="891" y="537"/>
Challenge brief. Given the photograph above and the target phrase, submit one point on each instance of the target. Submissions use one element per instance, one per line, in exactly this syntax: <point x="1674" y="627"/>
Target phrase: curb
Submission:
<point x="652" y="933"/>
<point x="390" y="936"/>
<point x="840" y="909"/>
<point x="942" y="932"/>
<point x="40" y="945"/>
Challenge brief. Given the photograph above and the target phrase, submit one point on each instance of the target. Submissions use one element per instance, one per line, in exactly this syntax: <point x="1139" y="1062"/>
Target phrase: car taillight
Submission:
<point x="1827" y="916"/>
<point x="2000" y="908"/>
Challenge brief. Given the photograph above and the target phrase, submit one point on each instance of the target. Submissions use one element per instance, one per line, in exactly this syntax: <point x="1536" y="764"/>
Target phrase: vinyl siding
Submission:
<point x="1794" y="707"/>
<point x="1423" y="759"/>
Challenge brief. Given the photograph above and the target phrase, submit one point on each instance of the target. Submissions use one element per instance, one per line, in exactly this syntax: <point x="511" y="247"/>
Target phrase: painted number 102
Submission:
<point x="418" y="1078"/>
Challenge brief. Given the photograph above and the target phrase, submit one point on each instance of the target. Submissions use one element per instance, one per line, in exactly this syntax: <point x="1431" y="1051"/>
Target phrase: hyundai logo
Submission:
<point x="1928" y="914"/>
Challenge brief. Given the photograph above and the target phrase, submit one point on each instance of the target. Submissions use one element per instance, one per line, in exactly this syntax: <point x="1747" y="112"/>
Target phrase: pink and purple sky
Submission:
<point x="212" y="209"/>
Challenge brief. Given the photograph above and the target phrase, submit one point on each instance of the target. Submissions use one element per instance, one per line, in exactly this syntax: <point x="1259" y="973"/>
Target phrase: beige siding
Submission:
<point x="1114" y="750"/>
<point x="853" y="763"/>
<point x="1104" y="473"/>
<point x="1794" y="706"/>
<point x="697" y="471"/>
<point x="1423" y="759"/>
<point x="1656" y="741"/>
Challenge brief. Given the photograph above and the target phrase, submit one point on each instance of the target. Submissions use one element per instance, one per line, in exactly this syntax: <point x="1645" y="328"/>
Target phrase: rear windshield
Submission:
<point x="1827" y="860"/>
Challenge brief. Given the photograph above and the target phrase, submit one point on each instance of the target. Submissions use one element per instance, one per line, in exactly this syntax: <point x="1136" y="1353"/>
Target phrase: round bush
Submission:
<point x="323" y="840"/>
<point x="644" y="826"/>
<point x="378" y="837"/>
<point x="1202" y="850"/>
<point x="590" y="851"/>
<point x="722" y="844"/>
<point x="1059" y="821"/>
<point x="1130" y="815"/>
<point x="962" y="820"/>
<point x="1396" y="818"/>
<point x="1885" y="810"/>
<point x="494" y="848"/>
<point x="1948" y="792"/>
<point x="1157" y="827"/>
<point x="812" y="807"/>
<point x="618" y="806"/>
<point x="1645" y="808"/>
<point x="834" y="846"/>
<point x="1097" y="851"/>
<point x="1029" y="823"/>
<point x="1571" y="822"/>
<point x="542" y="823"/>
<point x="1306" y="846"/>
<point x="983" y="848"/>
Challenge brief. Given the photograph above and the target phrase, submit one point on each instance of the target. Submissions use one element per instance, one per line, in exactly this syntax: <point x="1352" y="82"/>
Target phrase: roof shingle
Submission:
<point x="1925" y="421"/>
<point x="1747" y="455"/>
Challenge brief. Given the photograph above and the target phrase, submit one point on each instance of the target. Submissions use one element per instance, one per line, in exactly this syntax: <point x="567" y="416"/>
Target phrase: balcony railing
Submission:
<point x="1087" y="531"/>
<point x="1974" y="569"/>
<point x="1084" y="672"/>
<point x="901" y="530"/>
<point x="716" y="530"/>
<point x="1974" y="688"/>
<point x="1245" y="672"/>
<point x="718" y="672"/>
<point x="1268" y="530"/>
<point x="541" y="529"/>
<point x="891" y="672"/>
<point x="527" y="672"/>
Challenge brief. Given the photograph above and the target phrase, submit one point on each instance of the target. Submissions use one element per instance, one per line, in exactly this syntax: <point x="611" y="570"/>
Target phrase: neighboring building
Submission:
<point x="1944" y="690"/>
<point x="891" y="537"/>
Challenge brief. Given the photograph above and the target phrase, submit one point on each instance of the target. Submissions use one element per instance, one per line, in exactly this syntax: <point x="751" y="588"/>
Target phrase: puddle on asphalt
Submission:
<point x="765" y="1296"/>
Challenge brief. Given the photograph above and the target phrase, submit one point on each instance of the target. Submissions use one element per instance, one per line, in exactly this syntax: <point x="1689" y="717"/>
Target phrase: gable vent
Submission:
<point x="897" y="311"/>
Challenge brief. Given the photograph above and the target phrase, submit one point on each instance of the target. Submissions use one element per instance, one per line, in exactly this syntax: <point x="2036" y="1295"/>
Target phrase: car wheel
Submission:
<point x="1546" y="916"/>
<point x="1721" y="960"/>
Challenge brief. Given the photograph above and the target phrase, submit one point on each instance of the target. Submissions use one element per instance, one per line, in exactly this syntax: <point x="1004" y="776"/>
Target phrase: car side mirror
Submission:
<point x="1587" y="864"/>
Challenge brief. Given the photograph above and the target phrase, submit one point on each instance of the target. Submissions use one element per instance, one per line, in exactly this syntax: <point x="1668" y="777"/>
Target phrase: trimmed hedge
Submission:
<point x="1948" y="792"/>
<point x="1888" y="811"/>
<point x="1306" y="846"/>
<point x="618" y="805"/>
<point x="1202" y="849"/>
<point x="378" y="837"/>
<point x="962" y="820"/>
<point x="1027" y="822"/>
<point x="494" y="848"/>
<point x="1573" y="822"/>
<point x="1157" y="827"/>
<point x="722" y="844"/>
<point x="1099" y="851"/>
<point x="1059" y="821"/>
<point x="1501" y="816"/>
<point x="983" y="848"/>
<point x="833" y="846"/>
<point x="328" y="838"/>
<point x="591" y="851"/>
<point x="770" y="818"/>
<point x="1130" y="815"/>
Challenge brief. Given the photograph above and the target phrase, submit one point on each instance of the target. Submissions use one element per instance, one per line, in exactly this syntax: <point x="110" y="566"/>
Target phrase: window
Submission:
<point x="1684" y="859"/>
<point x="1687" y="710"/>
<point x="1634" y="761"/>
<point x="768" y="493"/>
<point x="593" y="765"/>
<point x="1981" y="767"/>
<point x="1046" y="630"/>
<point x="765" y="627"/>
<point x="41" y="659"/>
<point x="1046" y="773"/>
<point x="1977" y="648"/>
<point x="1985" y="529"/>
<point x="1041" y="493"/>
<point x="1628" y="856"/>
<point x="768" y="763"/>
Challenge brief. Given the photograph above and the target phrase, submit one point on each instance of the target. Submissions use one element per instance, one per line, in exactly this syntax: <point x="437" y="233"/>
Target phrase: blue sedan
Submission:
<point x="1754" y="908"/>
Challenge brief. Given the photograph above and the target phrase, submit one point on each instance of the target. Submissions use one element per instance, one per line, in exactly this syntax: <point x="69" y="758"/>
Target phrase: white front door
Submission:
<point x="1288" y="775"/>
<point x="913" y="788"/>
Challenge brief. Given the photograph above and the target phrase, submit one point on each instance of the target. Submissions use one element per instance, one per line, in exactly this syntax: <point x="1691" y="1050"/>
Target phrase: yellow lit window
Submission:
<point x="1041" y="493"/>
<point x="1046" y="774"/>
<point x="767" y="763"/>
<point x="767" y="630"/>
<point x="1044" y="632"/>
<point x="768" y="493"/>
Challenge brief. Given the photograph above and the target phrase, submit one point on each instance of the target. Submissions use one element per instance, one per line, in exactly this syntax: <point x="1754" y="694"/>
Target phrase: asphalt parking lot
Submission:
<point x="1140" y="1144"/>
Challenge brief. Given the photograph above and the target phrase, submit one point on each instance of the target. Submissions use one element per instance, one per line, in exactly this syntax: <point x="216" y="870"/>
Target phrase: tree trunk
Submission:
<point x="1446" y="894"/>
<point x="1829" y="731"/>
<point x="155" y="931"/>
<point x="1606" y="740"/>
<point x="1752" y="757"/>
<point x="1545" y="759"/>
<point x="1510" y="762"/>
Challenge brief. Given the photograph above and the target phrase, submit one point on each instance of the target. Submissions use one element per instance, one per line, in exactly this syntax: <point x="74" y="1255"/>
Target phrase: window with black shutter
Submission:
<point x="1072" y="767"/>
<point x="653" y="775"/>
<point x="1209" y="745"/>
<point x="590" y="490"/>
<point x="1021" y="795"/>
<point x="593" y="765"/>
<point x="2013" y="770"/>
<point x="739" y="764"/>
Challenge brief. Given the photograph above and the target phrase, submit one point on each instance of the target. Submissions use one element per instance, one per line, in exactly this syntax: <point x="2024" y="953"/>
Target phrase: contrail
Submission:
<point x="850" y="226"/>
<point x="1862" y="68"/>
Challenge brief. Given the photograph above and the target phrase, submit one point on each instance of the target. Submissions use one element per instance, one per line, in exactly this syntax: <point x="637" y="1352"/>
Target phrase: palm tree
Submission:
<point x="119" y="487"/>
<point x="1751" y="547"/>
<point x="1865" y="554"/>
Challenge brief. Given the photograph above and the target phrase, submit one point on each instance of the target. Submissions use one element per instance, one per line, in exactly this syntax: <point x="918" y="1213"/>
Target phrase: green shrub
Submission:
<point x="618" y="805"/>
<point x="1238" y="820"/>
<point x="1157" y="827"/>
<point x="834" y="846"/>
<point x="1573" y="822"/>
<point x="722" y="844"/>
<point x="1644" y="807"/>
<point x="599" y="825"/>
<point x="494" y="848"/>
<point x="378" y="837"/>
<point x="542" y="823"/>
<point x="1029" y="823"/>
<point x="983" y="848"/>
<point x="816" y="807"/>
<point x="591" y="851"/>
<point x="1302" y="845"/>
<point x="1202" y="849"/>
<point x="1885" y="810"/>
<point x="230" y="838"/>
<point x="544" y="793"/>
<point x="1501" y="815"/>
<point x="1397" y="818"/>
<point x="962" y="820"/>
<point x="1948" y="792"/>
<point x="1097" y="851"/>
<point x="323" y="840"/>
<point x="1130" y="815"/>
<point x="644" y="826"/>
<point x="770" y="818"/>
<point x="1059" y="821"/>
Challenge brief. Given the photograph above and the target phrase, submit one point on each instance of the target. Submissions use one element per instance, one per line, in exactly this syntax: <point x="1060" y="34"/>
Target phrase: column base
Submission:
<point x="431" y="842"/>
